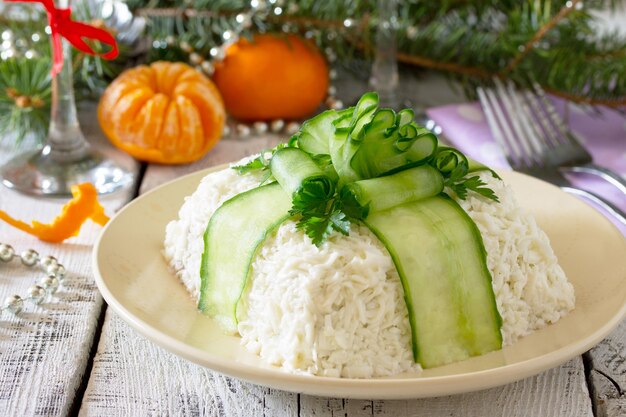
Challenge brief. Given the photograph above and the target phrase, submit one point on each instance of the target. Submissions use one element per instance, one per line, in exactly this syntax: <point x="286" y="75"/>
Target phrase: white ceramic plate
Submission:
<point x="135" y="281"/>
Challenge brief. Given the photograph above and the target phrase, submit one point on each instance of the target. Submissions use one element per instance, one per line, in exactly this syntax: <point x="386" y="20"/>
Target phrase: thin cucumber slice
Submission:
<point x="234" y="234"/>
<point x="382" y="193"/>
<point x="347" y="137"/>
<point x="387" y="148"/>
<point x="316" y="133"/>
<point x="441" y="260"/>
<point x="294" y="169"/>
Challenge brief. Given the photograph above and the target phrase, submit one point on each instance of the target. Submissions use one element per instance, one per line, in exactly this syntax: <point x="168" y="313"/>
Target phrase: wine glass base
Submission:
<point x="38" y="174"/>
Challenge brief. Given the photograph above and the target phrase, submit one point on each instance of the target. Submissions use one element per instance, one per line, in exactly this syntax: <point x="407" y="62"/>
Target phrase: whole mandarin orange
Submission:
<point x="272" y="77"/>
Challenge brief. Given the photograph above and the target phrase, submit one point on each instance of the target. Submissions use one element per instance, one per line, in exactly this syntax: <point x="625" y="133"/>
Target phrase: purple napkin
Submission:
<point x="604" y="136"/>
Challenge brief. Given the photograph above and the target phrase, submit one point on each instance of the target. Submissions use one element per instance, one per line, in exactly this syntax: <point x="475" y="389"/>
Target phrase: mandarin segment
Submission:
<point x="165" y="113"/>
<point x="127" y="108"/>
<point x="208" y="104"/>
<point x="172" y="74"/>
<point x="153" y="115"/>
<point x="190" y="124"/>
<point x="171" y="131"/>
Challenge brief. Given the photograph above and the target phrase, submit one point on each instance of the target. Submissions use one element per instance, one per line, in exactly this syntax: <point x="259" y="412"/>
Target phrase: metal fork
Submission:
<point x="561" y="145"/>
<point x="518" y="134"/>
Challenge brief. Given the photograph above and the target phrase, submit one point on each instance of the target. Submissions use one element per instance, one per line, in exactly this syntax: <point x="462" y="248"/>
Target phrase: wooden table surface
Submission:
<point x="72" y="355"/>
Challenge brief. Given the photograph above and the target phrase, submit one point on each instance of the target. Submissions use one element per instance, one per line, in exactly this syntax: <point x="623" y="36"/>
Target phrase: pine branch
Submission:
<point x="472" y="41"/>
<point x="24" y="98"/>
<point x="543" y="30"/>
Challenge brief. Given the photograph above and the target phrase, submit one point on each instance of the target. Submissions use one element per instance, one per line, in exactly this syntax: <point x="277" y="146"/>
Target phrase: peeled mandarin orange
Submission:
<point x="166" y="113"/>
<point x="272" y="77"/>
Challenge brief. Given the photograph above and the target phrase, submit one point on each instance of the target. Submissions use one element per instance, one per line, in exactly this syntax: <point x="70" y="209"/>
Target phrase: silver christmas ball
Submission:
<point x="6" y="252"/>
<point x="36" y="293"/>
<point x="46" y="261"/>
<point x="292" y="127"/>
<point x="56" y="270"/>
<point x="332" y="90"/>
<point x="13" y="304"/>
<point x="29" y="257"/>
<point x="195" y="58"/>
<point x="51" y="284"/>
<point x="243" y="131"/>
<point x="260" y="127"/>
<point x="277" y="125"/>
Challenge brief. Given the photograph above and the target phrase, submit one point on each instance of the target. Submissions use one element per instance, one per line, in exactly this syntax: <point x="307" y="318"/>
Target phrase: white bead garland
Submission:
<point x="48" y="285"/>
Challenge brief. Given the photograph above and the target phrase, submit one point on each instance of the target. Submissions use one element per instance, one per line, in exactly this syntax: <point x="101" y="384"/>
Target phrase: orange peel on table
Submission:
<point x="83" y="205"/>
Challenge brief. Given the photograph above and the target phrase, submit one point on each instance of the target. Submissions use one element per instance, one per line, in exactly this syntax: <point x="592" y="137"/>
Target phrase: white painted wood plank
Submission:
<point x="44" y="351"/>
<point x="132" y="376"/>
<point x="608" y="374"/>
<point x="558" y="392"/>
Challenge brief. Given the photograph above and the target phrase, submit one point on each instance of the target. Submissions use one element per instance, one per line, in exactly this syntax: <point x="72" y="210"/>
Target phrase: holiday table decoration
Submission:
<point x="166" y="113"/>
<point x="25" y="61"/>
<point x="553" y="42"/>
<point x="67" y="158"/>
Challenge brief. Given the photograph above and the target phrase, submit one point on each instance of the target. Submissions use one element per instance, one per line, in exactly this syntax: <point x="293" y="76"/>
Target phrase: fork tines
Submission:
<point x="512" y="117"/>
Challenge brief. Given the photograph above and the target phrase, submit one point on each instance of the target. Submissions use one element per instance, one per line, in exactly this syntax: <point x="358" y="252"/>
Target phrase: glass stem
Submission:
<point x="65" y="141"/>
<point x="384" y="76"/>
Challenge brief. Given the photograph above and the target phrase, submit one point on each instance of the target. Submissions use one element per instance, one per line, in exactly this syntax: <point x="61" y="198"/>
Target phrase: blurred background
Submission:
<point x="573" y="49"/>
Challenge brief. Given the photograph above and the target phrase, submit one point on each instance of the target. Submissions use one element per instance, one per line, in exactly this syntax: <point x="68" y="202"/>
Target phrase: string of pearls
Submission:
<point x="48" y="285"/>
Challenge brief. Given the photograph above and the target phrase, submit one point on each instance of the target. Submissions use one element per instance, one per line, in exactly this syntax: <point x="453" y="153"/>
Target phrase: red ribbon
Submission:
<point x="62" y="24"/>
